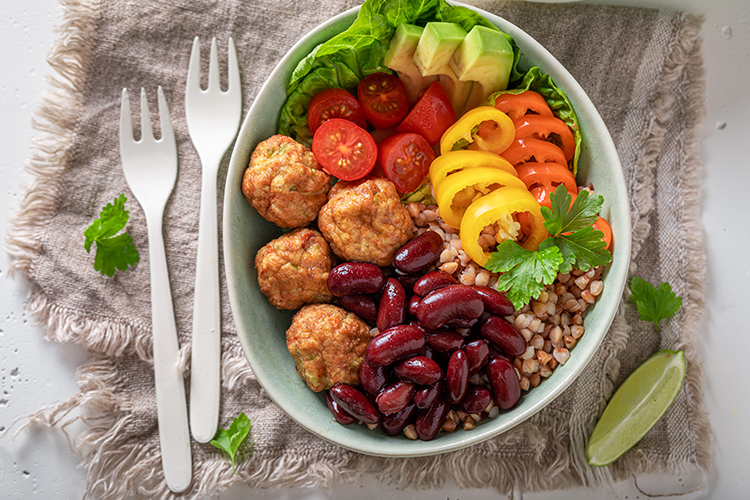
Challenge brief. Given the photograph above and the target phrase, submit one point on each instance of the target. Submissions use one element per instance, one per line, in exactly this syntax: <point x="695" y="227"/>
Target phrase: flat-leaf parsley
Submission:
<point x="230" y="439"/>
<point x="654" y="304"/>
<point x="113" y="251"/>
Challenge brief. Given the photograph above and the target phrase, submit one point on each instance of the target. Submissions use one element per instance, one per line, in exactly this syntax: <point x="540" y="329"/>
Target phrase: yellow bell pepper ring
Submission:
<point x="499" y="207"/>
<point x="458" y="191"/>
<point x="485" y="127"/>
<point x="446" y="165"/>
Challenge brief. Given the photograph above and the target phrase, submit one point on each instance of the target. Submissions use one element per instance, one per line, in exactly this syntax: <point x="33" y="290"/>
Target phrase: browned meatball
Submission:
<point x="328" y="345"/>
<point x="365" y="221"/>
<point x="284" y="183"/>
<point x="293" y="269"/>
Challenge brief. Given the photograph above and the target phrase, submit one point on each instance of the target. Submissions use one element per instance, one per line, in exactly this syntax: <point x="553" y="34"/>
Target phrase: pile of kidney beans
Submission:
<point x="418" y="367"/>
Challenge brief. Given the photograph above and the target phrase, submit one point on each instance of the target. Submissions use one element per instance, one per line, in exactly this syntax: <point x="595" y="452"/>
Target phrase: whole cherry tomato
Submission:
<point x="344" y="149"/>
<point x="431" y="116"/>
<point x="405" y="160"/>
<point x="334" y="103"/>
<point x="384" y="100"/>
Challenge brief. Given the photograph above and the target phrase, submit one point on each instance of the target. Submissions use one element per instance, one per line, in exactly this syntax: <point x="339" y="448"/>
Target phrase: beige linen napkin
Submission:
<point x="643" y="70"/>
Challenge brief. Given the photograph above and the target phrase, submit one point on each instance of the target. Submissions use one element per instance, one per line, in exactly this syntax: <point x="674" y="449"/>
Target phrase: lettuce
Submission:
<point x="348" y="57"/>
<point x="558" y="102"/>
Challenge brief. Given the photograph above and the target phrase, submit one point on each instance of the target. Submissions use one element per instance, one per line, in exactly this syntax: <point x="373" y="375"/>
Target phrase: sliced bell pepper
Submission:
<point x="458" y="191"/>
<point x="495" y="136"/>
<point x="446" y="165"/>
<point x="493" y="207"/>
<point x="541" y="179"/>
<point x="522" y="150"/>
<point x="602" y="225"/>
<point x="542" y="127"/>
<point x="517" y="105"/>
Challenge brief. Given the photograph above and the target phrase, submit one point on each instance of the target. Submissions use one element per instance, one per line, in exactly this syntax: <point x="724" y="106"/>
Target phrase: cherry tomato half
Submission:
<point x="405" y="160"/>
<point x="431" y="116"/>
<point x="344" y="149"/>
<point x="384" y="100"/>
<point x="334" y="103"/>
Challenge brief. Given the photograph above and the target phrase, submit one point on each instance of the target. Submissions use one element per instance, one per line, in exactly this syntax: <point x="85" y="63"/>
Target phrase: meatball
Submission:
<point x="284" y="183"/>
<point x="365" y="221"/>
<point x="328" y="345"/>
<point x="293" y="269"/>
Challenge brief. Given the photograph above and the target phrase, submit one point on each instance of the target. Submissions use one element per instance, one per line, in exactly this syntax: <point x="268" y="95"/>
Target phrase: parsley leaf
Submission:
<point x="580" y="215"/>
<point x="113" y="251"/>
<point x="584" y="248"/>
<point x="524" y="272"/>
<point x="229" y="440"/>
<point x="654" y="304"/>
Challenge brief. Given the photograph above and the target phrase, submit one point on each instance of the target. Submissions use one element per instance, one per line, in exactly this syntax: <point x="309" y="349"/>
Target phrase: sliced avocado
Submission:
<point x="433" y="55"/>
<point x="400" y="58"/>
<point x="485" y="57"/>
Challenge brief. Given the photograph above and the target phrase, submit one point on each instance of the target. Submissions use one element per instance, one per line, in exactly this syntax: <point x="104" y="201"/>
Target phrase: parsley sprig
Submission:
<point x="229" y="440"/>
<point x="113" y="251"/>
<point x="654" y="303"/>
<point x="573" y="244"/>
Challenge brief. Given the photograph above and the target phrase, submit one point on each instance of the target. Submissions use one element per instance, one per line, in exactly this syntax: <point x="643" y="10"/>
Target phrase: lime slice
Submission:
<point x="636" y="406"/>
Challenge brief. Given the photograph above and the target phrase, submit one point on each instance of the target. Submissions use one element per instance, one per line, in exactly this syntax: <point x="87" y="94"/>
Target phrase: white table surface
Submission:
<point x="35" y="373"/>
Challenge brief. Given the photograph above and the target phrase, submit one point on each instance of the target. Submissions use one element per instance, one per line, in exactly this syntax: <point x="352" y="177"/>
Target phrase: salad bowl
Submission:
<point x="261" y="327"/>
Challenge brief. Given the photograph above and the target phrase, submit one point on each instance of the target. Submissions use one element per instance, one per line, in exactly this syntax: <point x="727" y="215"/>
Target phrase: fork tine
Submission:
<point x="194" y="68"/>
<point x="167" y="132"/>
<point x="233" y="81"/>
<point x="147" y="131"/>
<point x="213" y="67"/>
<point x="126" y="123"/>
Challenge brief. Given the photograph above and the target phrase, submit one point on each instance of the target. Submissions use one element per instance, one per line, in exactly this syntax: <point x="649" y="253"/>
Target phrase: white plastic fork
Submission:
<point x="150" y="168"/>
<point x="213" y="118"/>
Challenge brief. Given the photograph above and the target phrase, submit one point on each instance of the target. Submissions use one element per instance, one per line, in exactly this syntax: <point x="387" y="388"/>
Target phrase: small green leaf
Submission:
<point x="113" y="250"/>
<point x="229" y="440"/>
<point x="654" y="304"/>
<point x="581" y="214"/>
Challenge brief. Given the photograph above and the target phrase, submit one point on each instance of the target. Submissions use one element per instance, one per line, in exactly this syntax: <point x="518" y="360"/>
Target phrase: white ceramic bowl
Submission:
<point x="261" y="327"/>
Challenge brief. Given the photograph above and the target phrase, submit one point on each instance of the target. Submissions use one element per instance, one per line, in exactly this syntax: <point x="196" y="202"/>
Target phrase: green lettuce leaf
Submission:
<point x="348" y="57"/>
<point x="558" y="102"/>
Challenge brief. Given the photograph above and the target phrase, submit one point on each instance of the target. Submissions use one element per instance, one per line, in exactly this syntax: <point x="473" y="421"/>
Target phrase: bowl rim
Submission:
<point x="617" y="269"/>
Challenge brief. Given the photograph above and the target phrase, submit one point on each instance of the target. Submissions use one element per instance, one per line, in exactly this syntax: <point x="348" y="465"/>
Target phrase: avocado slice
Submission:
<point x="434" y="51"/>
<point x="400" y="58"/>
<point x="485" y="57"/>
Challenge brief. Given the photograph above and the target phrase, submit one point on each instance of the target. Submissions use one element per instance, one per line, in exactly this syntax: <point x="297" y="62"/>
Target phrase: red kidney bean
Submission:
<point x="355" y="403"/>
<point x="418" y="369"/>
<point x="408" y="280"/>
<point x="453" y="301"/>
<point x="445" y="341"/>
<point x="506" y="391"/>
<point x="392" y="310"/>
<point x="419" y="254"/>
<point x="424" y="397"/>
<point x="413" y="303"/>
<point x="462" y="322"/>
<point x="394" y="424"/>
<point x="394" y="343"/>
<point x="352" y="278"/>
<point x="339" y="413"/>
<point x="433" y="281"/>
<point x="457" y="376"/>
<point x="477" y="354"/>
<point x="372" y="378"/>
<point x="503" y="335"/>
<point x="394" y="397"/>
<point x="362" y="305"/>
<point x="477" y="399"/>
<point x="429" y="421"/>
<point x="495" y="302"/>
<point x="497" y="353"/>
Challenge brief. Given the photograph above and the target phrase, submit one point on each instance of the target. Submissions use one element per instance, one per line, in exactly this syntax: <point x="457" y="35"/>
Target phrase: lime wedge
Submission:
<point x="636" y="406"/>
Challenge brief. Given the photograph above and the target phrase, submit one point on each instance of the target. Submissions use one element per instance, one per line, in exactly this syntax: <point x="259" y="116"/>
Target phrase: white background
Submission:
<point x="37" y="463"/>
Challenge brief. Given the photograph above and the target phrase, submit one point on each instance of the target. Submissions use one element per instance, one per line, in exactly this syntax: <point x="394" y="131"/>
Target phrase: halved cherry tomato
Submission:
<point x="602" y="225"/>
<point x="517" y="105"/>
<point x="384" y="100"/>
<point x="334" y="103"/>
<point x="522" y="150"/>
<point x="405" y="160"/>
<point x="344" y="149"/>
<point x="542" y="127"/>
<point x="431" y="116"/>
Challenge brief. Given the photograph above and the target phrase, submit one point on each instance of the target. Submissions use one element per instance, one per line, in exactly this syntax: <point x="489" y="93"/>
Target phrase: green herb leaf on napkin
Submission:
<point x="654" y="304"/>
<point x="113" y="251"/>
<point x="230" y="439"/>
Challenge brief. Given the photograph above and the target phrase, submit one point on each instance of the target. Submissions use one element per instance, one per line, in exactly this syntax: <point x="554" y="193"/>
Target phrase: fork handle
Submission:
<point x="206" y="351"/>
<point x="174" y="435"/>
